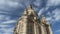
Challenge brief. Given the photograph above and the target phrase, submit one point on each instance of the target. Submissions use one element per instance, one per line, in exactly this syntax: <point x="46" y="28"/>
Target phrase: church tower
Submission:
<point x="30" y="24"/>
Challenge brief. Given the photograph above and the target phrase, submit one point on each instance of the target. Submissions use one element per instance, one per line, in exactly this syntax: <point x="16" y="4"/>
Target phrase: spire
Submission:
<point x="30" y="6"/>
<point x="43" y="19"/>
<point x="29" y="11"/>
<point x="25" y="12"/>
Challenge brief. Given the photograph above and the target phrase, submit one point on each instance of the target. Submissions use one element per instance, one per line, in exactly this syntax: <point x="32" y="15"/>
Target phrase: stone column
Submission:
<point x="16" y="31"/>
<point x="36" y="28"/>
<point x="43" y="30"/>
<point x="50" y="30"/>
<point x="24" y="28"/>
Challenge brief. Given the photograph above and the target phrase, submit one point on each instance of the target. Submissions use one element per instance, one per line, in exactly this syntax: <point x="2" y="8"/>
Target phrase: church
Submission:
<point x="29" y="23"/>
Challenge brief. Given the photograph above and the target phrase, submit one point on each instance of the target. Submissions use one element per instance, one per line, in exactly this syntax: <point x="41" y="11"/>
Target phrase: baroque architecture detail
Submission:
<point x="30" y="24"/>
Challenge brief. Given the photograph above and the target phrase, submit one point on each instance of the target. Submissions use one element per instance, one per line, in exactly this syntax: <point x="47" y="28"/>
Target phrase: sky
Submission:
<point x="12" y="10"/>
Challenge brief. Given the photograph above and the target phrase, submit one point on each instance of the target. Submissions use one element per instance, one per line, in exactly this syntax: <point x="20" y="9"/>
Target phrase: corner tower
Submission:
<point x="46" y="26"/>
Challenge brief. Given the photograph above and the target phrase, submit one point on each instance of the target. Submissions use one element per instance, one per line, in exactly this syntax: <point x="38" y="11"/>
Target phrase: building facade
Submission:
<point x="29" y="23"/>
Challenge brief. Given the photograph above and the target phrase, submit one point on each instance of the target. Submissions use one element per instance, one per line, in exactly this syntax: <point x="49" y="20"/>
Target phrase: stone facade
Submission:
<point x="29" y="23"/>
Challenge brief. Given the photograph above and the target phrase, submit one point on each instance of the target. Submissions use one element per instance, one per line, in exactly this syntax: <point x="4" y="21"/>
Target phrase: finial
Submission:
<point x="30" y="6"/>
<point x="25" y="11"/>
<point x="43" y="17"/>
<point x="44" y="21"/>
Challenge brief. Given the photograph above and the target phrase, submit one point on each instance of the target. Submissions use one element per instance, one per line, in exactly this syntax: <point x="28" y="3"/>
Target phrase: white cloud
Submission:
<point x="12" y="4"/>
<point x="7" y="31"/>
<point x="53" y="2"/>
<point x="37" y="3"/>
<point x="5" y="28"/>
<point x="57" y="14"/>
<point x="3" y="12"/>
<point x="4" y="17"/>
<point x="49" y="18"/>
<point x="9" y="21"/>
<point x="6" y="23"/>
<point x="57" y="31"/>
<point x="9" y="4"/>
<point x="41" y="11"/>
<point x="2" y="25"/>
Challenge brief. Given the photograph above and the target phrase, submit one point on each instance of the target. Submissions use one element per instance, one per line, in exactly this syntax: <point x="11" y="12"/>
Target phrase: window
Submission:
<point x="21" y="28"/>
<point x="30" y="28"/>
<point x="39" y="28"/>
<point x="47" y="29"/>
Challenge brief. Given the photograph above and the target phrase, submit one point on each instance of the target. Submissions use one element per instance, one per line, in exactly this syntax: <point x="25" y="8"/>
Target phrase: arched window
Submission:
<point x="39" y="29"/>
<point x="30" y="28"/>
<point x="47" y="29"/>
<point x="21" y="28"/>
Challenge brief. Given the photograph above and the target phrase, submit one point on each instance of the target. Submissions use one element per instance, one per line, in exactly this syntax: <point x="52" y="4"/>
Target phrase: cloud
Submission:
<point x="56" y="14"/>
<point x="10" y="4"/>
<point x="57" y="31"/>
<point x="37" y="2"/>
<point x="6" y="28"/>
<point x="41" y="11"/>
<point x="4" y="17"/>
<point x="1" y="25"/>
<point x="53" y="2"/>
<point x="50" y="18"/>
<point x="9" y="21"/>
<point x="6" y="22"/>
<point x="7" y="31"/>
<point x="3" y="12"/>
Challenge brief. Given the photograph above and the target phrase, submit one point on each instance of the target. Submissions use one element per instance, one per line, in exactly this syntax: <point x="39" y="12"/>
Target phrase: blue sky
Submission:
<point x="11" y="10"/>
